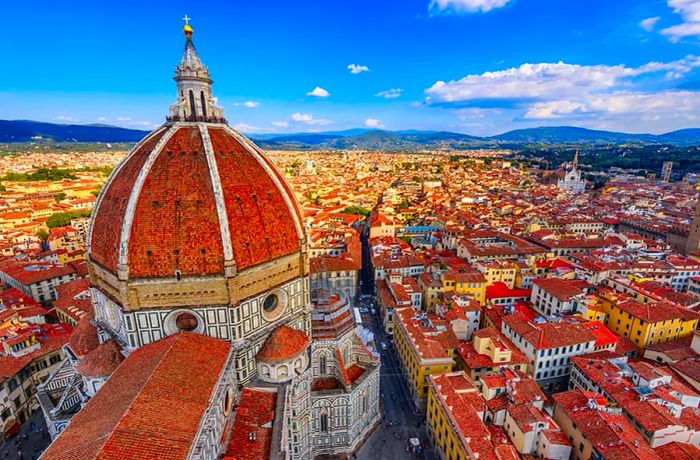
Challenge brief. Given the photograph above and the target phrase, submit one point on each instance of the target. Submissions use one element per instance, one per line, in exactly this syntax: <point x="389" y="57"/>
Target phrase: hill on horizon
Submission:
<point x="12" y="131"/>
<point x="27" y="130"/>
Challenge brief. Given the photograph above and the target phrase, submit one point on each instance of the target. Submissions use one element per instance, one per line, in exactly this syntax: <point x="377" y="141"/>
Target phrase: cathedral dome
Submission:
<point x="195" y="197"/>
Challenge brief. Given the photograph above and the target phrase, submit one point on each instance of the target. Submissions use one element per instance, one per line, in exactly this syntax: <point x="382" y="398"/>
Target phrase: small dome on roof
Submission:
<point x="283" y="344"/>
<point x="101" y="361"/>
<point x="84" y="337"/>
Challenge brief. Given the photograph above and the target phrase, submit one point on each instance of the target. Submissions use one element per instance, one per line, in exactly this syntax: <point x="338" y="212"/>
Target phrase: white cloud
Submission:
<point x="689" y="10"/>
<point x="642" y="98"/>
<point x="308" y="119"/>
<point x="550" y="81"/>
<point x="392" y="93"/>
<point x="127" y="121"/>
<point x="356" y="68"/>
<point x="102" y="119"/>
<point x="624" y="111"/>
<point x="662" y="104"/>
<point x="648" y="24"/>
<point x="373" y="123"/>
<point x="280" y="124"/>
<point x="249" y="104"/>
<point x="466" y="6"/>
<point x="65" y="118"/>
<point x="246" y="127"/>
<point x="302" y="117"/>
<point x="318" y="92"/>
<point x="471" y="113"/>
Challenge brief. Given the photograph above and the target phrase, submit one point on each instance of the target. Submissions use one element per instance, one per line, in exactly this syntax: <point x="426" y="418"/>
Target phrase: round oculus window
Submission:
<point x="271" y="302"/>
<point x="273" y="305"/>
<point x="186" y="321"/>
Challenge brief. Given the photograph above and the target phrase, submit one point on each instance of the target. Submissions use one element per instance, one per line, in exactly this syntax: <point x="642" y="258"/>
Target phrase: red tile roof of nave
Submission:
<point x="109" y="216"/>
<point x="175" y="224"/>
<point x="261" y="223"/>
<point x="282" y="344"/>
<point x="152" y="405"/>
<point x="255" y="414"/>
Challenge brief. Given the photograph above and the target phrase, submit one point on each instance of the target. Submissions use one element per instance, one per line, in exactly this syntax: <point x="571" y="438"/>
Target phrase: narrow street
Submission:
<point x="390" y="442"/>
<point x="29" y="443"/>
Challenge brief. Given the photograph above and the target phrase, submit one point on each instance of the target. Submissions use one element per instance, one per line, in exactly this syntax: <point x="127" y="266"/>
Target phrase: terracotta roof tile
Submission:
<point x="251" y="435"/>
<point x="151" y="407"/>
<point x="282" y="344"/>
<point x="104" y="245"/>
<point x="101" y="361"/>
<point x="84" y="337"/>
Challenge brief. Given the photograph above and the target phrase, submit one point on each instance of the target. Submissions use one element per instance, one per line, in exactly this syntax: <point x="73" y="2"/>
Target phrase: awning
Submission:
<point x="12" y="429"/>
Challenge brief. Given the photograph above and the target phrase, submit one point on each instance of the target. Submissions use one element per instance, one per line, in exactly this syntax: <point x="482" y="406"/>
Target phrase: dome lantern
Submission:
<point x="195" y="99"/>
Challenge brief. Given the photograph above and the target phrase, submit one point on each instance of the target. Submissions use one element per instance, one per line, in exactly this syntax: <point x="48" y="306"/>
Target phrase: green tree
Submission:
<point x="42" y="234"/>
<point x="356" y="210"/>
<point x="53" y="174"/>
<point x="59" y="197"/>
<point x="61" y="219"/>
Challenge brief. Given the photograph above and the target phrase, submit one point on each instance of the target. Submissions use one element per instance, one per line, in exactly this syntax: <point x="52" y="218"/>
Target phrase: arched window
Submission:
<point x="322" y="365"/>
<point x="282" y="371"/>
<point x="324" y="423"/>
<point x="204" y="104"/>
<point x="193" y="107"/>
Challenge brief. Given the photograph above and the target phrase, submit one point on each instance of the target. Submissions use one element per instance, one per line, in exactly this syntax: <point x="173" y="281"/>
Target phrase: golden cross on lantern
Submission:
<point x="186" y="19"/>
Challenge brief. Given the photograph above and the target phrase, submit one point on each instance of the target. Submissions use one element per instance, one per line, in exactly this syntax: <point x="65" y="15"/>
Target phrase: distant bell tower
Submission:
<point x="666" y="171"/>
<point x="195" y="101"/>
<point x="693" y="242"/>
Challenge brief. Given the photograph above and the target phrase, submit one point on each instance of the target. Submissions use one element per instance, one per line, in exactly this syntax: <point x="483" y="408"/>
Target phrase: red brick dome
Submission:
<point x="283" y="344"/>
<point x="190" y="199"/>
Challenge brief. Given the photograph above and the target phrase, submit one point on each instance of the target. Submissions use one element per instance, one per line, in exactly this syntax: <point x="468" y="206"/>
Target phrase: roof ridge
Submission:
<point x="174" y="338"/>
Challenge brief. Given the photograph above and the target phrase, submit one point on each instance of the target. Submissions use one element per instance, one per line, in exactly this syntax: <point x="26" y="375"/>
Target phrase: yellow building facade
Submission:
<point x="647" y="323"/>
<point x="441" y="427"/>
<point x="423" y="350"/>
<point x="472" y="284"/>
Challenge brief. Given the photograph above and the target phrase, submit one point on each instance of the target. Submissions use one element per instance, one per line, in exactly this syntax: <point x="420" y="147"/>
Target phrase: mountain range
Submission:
<point x="365" y="139"/>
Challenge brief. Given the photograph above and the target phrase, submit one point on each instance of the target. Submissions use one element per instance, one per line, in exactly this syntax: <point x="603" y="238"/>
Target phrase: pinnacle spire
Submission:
<point x="196" y="101"/>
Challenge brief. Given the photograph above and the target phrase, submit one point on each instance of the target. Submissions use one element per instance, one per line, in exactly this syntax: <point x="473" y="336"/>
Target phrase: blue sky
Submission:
<point x="473" y="66"/>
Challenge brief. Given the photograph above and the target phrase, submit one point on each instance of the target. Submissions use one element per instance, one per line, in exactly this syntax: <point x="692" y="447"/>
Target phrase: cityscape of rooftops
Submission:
<point x="367" y="230"/>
